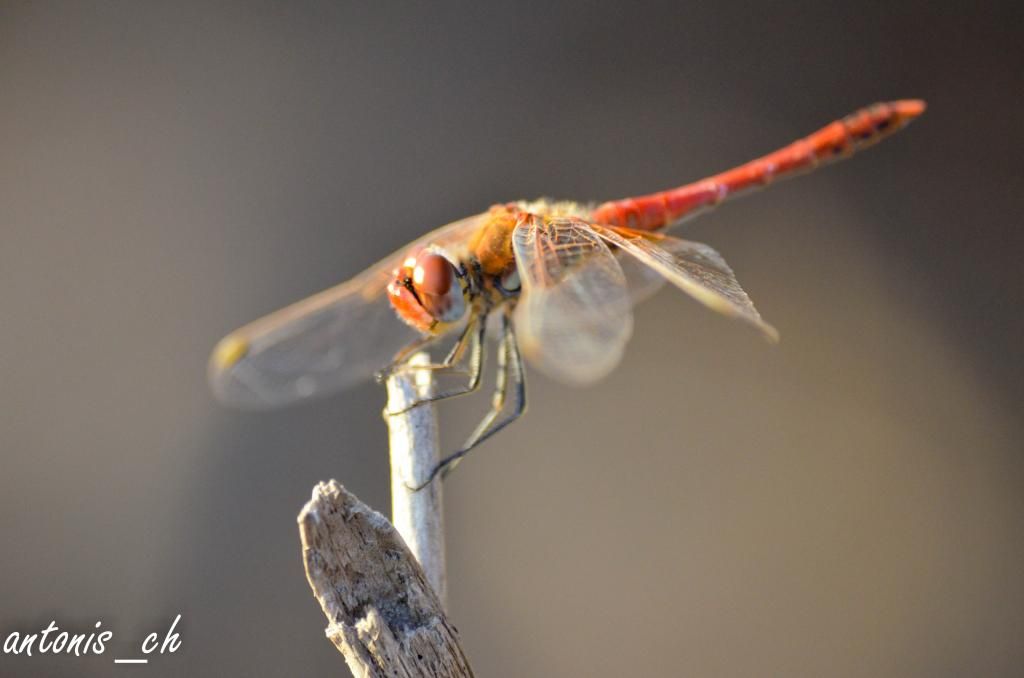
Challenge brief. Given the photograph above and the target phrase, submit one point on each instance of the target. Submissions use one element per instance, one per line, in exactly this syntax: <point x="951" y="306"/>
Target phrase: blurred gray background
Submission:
<point x="849" y="503"/>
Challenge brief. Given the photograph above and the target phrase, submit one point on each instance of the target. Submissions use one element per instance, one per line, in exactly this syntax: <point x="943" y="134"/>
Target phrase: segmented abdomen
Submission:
<point x="837" y="140"/>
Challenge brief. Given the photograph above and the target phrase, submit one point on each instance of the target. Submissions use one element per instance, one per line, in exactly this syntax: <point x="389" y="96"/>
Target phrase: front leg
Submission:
<point x="511" y="377"/>
<point x="471" y="339"/>
<point x="400" y="363"/>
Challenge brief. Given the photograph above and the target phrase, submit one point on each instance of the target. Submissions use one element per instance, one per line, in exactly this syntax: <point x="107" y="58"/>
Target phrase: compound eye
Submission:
<point x="435" y="280"/>
<point x="433" y="274"/>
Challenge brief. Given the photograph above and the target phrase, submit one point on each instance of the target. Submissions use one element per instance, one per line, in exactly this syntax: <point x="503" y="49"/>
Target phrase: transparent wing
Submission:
<point x="573" y="319"/>
<point x="642" y="280"/>
<point x="323" y="344"/>
<point x="694" y="268"/>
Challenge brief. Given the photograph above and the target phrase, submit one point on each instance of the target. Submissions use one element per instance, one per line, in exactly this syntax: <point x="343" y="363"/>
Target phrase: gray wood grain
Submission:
<point x="383" y="615"/>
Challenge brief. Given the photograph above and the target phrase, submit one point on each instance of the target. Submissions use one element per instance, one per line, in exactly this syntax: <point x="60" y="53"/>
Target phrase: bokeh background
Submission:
<point x="849" y="503"/>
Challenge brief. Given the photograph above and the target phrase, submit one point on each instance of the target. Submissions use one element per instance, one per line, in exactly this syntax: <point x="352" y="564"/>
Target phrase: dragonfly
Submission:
<point x="554" y="281"/>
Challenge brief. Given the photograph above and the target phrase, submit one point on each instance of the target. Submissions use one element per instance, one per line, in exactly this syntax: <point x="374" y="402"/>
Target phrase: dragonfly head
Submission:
<point x="429" y="291"/>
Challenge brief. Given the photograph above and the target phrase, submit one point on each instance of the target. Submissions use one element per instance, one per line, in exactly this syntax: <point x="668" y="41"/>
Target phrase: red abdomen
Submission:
<point x="838" y="140"/>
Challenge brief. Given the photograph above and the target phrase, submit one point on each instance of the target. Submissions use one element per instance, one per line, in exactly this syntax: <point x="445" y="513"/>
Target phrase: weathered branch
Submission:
<point x="418" y="515"/>
<point x="384" y="616"/>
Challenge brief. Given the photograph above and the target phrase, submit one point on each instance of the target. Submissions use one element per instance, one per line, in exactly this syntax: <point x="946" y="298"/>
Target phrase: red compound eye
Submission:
<point x="425" y="291"/>
<point x="433" y="274"/>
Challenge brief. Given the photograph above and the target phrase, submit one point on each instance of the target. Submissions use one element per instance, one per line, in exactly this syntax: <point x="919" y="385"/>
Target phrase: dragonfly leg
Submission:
<point x="511" y="377"/>
<point x="473" y="339"/>
<point x="401" y="360"/>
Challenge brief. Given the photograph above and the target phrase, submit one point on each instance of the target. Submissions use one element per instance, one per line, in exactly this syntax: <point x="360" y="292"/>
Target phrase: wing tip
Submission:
<point x="228" y="352"/>
<point x="223" y="375"/>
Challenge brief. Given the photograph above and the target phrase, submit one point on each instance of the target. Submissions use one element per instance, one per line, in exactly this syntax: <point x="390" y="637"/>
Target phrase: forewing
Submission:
<point x="573" y="319"/>
<point x="695" y="268"/>
<point x="642" y="280"/>
<point x="323" y="344"/>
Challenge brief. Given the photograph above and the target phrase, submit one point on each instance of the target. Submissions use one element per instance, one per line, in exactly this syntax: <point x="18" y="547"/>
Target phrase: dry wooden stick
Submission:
<point x="418" y="515"/>
<point x="384" y="597"/>
<point x="384" y="616"/>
